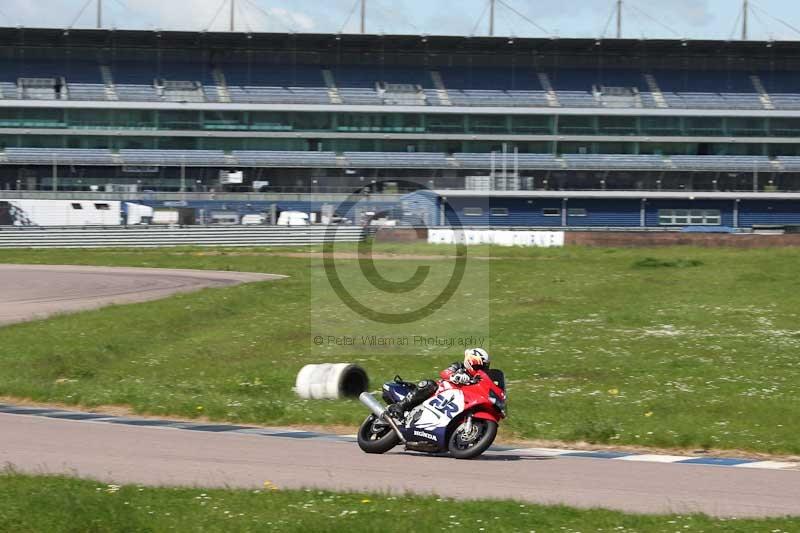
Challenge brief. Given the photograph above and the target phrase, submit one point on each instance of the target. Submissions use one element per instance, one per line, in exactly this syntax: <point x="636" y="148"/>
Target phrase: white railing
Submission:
<point x="159" y="236"/>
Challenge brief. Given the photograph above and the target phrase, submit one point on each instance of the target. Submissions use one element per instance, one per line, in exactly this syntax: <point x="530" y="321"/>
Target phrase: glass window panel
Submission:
<point x="487" y="123"/>
<point x="577" y="124"/>
<point x="445" y="123"/>
<point x="179" y="120"/>
<point x="311" y="121"/>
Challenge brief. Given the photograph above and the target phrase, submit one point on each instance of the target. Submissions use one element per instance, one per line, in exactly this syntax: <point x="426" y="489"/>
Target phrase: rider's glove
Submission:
<point x="460" y="378"/>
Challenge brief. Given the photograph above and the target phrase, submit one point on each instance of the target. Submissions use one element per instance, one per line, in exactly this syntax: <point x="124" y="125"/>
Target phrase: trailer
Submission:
<point x="24" y="212"/>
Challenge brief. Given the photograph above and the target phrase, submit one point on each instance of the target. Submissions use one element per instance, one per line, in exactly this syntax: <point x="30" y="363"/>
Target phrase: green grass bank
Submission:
<point x="668" y="347"/>
<point x="59" y="504"/>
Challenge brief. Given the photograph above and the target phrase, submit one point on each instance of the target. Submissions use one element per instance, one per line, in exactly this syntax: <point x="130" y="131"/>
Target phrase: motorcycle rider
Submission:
<point x="475" y="359"/>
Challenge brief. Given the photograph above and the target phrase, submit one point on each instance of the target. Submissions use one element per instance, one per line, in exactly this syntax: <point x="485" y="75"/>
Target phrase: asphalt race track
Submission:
<point x="216" y="456"/>
<point x="123" y="453"/>
<point x="36" y="291"/>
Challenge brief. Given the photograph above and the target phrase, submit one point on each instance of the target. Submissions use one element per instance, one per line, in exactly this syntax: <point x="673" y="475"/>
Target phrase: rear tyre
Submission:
<point x="469" y="446"/>
<point x="376" y="436"/>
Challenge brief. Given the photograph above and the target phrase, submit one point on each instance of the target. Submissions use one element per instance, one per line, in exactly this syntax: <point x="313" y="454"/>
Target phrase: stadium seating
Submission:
<point x="526" y="161"/>
<point x="789" y="163"/>
<point x="61" y="155"/>
<point x="522" y="86"/>
<point x="173" y="157"/>
<point x="280" y="158"/>
<point x="615" y="161"/>
<point x="87" y="91"/>
<point x="482" y="161"/>
<point x="744" y="163"/>
<point x="396" y="160"/>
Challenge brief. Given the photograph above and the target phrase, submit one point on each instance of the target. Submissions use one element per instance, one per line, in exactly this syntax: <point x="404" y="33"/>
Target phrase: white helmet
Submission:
<point x="475" y="358"/>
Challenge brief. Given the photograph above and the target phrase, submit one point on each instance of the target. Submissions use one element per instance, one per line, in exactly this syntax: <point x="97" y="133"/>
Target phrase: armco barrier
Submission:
<point x="155" y="236"/>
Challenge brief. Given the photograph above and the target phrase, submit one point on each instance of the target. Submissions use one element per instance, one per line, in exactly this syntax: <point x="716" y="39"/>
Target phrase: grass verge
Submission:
<point x="670" y="347"/>
<point x="61" y="504"/>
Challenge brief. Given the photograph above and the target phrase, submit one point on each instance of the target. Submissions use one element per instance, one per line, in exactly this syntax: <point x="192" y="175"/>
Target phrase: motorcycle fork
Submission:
<point x="468" y="425"/>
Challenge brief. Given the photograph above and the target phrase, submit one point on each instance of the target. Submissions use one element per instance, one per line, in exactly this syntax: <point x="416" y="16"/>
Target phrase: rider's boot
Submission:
<point x="423" y="391"/>
<point x="396" y="410"/>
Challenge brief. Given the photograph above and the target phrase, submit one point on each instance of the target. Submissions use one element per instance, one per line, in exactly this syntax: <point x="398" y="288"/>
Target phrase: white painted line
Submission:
<point x="774" y="465"/>
<point x="257" y="431"/>
<point x="543" y="452"/>
<point x="653" y="458"/>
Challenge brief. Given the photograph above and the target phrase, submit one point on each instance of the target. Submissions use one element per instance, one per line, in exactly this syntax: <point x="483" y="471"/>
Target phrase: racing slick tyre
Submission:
<point x="376" y="436"/>
<point x="463" y="446"/>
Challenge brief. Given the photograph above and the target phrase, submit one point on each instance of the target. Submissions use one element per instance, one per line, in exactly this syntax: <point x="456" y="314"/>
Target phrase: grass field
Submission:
<point x="673" y="347"/>
<point x="56" y="504"/>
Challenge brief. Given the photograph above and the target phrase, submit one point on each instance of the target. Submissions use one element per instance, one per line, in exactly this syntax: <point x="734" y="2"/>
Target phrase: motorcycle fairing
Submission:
<point x="428" y="421"/>
<point x="394" y="392"/>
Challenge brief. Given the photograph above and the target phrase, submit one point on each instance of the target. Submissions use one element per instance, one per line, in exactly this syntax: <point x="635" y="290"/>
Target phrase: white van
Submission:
<point x="293" y="218"/>
<point x="252" y="220"/>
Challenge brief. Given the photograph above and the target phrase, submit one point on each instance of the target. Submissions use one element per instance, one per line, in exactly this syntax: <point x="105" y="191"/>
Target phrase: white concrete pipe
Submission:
<point x="330" y="381"/>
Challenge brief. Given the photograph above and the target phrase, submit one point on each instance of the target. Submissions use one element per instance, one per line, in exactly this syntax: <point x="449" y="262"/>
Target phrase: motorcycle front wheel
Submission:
<point x="376" y="436"/>
<point x="468" y="446"/>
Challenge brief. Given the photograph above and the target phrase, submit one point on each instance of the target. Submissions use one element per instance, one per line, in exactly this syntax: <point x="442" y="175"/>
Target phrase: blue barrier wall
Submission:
<point x="482" y="210"/>
<point x="424" y="208"/>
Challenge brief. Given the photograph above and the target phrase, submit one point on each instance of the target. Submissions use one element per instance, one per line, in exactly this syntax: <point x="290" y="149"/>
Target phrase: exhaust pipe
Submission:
<point x="372" y="404"/>
<point x="380" y="411"/>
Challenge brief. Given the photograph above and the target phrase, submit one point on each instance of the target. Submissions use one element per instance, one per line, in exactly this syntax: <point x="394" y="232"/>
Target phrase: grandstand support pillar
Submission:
<point x="643" y="213"/>
<point x="564" y="220"/>
<point x="273" y="214"/>
<point x="442" y="203"/>
<point x="183" y="177"/>
<point x="363" y="16"/>
<point x="233" y="15"/>
<point x="619" y="19"/>
<point x="55" y="175"/>
<point x="736" y="213"/>
<point x="99" y="14"/>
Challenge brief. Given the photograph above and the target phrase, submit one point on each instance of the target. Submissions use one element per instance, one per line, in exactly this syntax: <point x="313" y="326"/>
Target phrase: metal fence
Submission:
<point x="155" y="236"/>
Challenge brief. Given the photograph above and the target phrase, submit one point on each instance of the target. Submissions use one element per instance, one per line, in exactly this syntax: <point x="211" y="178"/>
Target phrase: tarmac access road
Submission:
<point x="28" y="292"/>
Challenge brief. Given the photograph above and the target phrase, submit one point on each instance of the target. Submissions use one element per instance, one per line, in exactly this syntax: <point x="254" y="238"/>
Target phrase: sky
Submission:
<point x="691" y="19"/>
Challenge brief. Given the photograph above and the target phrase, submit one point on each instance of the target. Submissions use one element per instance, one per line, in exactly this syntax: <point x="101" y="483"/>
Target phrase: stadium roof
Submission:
<point x="375" y="42"/>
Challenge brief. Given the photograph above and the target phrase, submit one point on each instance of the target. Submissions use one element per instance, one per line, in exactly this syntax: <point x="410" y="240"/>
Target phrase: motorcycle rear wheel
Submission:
<point x="376" y="438"/>
<point x="469" y="447"/>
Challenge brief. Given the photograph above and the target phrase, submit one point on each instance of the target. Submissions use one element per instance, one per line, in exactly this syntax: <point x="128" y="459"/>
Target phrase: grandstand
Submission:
<point x="158" y="110"/>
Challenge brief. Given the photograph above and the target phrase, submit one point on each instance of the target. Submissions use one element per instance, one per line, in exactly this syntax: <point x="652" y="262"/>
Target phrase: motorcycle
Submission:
<point x="459" y="419"/>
